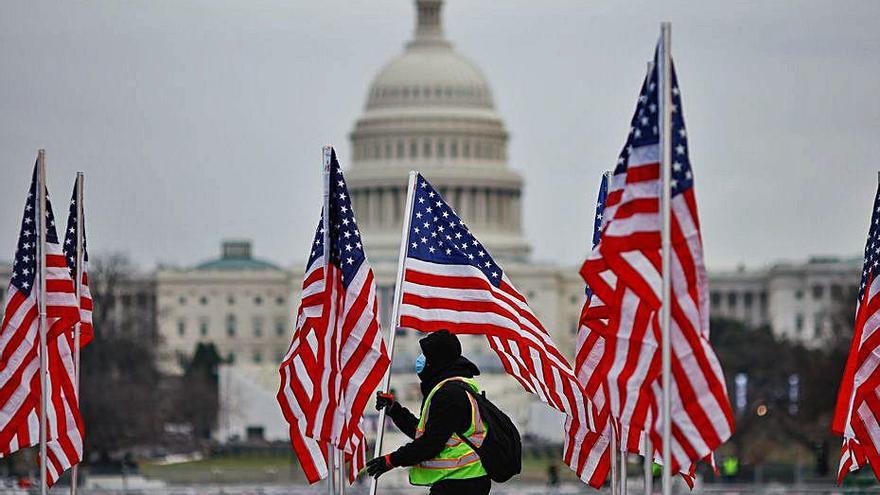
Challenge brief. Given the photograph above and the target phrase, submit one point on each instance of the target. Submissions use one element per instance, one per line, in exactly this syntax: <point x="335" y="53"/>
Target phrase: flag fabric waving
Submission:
<point x="337" y="356"/>
<point x="857" y="415"/>
<point x="624" y="272"/>
<point x="20" y="345"/>
<point x="70" y="240"/>
<point x="589" y="358"/>
<point x="452" y="282"/>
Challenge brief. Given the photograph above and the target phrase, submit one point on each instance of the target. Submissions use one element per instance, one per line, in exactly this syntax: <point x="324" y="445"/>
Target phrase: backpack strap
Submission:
<point x="461" y="384"/>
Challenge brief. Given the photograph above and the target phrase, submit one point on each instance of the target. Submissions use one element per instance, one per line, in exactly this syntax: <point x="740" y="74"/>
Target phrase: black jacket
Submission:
<point x="449" y="413"/>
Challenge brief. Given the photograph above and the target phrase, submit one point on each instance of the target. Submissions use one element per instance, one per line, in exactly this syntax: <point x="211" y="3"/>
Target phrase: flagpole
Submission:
<point x="622" y="471"/>
<point x="331" y="467"/>
<point x="665" y="240"/>
<point x="615" y="475"/>
<point x="395" y="313"/>
<point x="44" y="361"/>
<point x="80" y="227"/>
<point x="341" y="465"/>
<point x="326" y="158"/>
<point x="648" y="465"/>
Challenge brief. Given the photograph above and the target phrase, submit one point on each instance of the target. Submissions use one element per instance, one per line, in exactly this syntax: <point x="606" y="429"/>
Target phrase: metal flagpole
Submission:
<point x="341" y="465"/>
<point x="665" y="240"/>
<point x="44" y="361"/>
<point x="622" y="470"/>
<point x="326" y="158"/>
<point x="331" y="467"/>
<point x="615" y="475"/>
<point x="80" y="227"/>
<point x="395" y="313"/>
<point x="648" y="465"/>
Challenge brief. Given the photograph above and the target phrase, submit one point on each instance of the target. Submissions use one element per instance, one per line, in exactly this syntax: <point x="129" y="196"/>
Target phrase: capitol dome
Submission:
<point x="431" y="109"/>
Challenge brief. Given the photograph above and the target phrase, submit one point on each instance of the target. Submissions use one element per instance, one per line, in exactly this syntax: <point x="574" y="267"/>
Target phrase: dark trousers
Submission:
<point x="472" y="486"/>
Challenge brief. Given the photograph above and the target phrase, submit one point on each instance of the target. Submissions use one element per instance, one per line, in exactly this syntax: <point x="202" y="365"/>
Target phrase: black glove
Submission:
<point x="384" y="400"/>
<point x="380" y="465"/>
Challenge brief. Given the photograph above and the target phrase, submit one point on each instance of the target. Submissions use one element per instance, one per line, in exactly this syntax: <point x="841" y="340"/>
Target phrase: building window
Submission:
<point x="818" y="291"/>
<point x="466" y="149"/>
<point x="182" y="301"/>
<point x="280" y="328"/>
<point x="258" y="357"/>
<point x="478" y="150"/>
<point x="181" y="327"/>
<point x="413" y="149"/>
<point x="453" y="149"/>
<point x="747" y="300"/>
<point x="716" y="299"/>
<point x="799" y="322"/>
<point x="798" y="294"/>
<point x="279" y="301"/>
<point x="731" y="300"/>
<point x="426" y="149"/>
<point x="376" y="150"/>
<point x="203" y="327"/>
<point x="230" y="325"/>
<point x="387" y="149"/>
<point x="230" y="300"/>
<point x="836" y="292"/>
<point x="258" y="300"/>
<point x="400" y="149"/>
<point x="203" y="301"/>
<point x="441" y="149"/>
<point x="230" y="358"/>
<point x="258" y="327"/>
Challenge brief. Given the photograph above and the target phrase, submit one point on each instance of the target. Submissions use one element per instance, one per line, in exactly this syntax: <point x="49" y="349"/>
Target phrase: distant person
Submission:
<point x="437" y="457"/>
<point x="552" y="476"/>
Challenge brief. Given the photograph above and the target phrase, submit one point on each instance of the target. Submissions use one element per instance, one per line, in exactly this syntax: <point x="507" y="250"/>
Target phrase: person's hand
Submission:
<point x="379" y="465"/>
<point x="384" y="400"/>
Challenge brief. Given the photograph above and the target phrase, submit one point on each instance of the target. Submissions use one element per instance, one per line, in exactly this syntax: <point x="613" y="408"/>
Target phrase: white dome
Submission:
<point x="430" y="109"/>
<point x="427" y="76"/>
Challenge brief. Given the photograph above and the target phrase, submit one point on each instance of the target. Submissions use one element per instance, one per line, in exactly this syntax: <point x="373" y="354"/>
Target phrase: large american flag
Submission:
<point x="624" y="272"/>
<point x="337" y="356"/>
<point x="20" y="386"/>
<point x="857" y="416"/>
<point x="452" y="282"/>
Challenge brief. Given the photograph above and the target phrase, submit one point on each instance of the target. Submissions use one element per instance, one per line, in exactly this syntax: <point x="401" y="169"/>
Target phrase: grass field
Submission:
<point x="253" y="468"/>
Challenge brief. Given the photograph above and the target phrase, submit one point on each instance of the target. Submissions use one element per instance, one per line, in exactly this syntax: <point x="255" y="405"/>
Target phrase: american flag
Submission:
<point x="624" y="272"/>
<point x="337" y="356"/>
<point x="589" y="353"/>
<point x="452" y="282"/>
<point x="70" y="240"/>
<point x="857" y="415"/>
<point x="19" y="347"/>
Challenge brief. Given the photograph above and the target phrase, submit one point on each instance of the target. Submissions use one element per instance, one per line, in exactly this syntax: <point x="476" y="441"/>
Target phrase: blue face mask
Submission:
<point x="420" y="363"/>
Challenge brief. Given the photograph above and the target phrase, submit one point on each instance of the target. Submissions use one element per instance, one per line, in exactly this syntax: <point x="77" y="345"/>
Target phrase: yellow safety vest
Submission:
<point x="457" y="460"/>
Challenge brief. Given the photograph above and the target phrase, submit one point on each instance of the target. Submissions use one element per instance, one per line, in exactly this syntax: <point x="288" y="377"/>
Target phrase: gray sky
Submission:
<point x="198" y="120"/>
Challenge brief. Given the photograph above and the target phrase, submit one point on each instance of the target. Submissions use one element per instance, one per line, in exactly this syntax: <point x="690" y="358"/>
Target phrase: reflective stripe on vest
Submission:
<point x="457" y="460"/>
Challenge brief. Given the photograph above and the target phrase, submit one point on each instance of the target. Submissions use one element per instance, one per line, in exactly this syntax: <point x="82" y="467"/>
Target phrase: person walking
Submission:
<point x="438" y="457"/>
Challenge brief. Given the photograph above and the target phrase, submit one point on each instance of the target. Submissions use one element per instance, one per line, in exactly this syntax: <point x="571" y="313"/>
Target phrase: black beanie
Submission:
<point x="441" y="349"/>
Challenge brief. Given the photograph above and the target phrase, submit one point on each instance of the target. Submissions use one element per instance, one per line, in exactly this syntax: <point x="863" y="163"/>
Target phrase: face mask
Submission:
<point x="420" y="363"/>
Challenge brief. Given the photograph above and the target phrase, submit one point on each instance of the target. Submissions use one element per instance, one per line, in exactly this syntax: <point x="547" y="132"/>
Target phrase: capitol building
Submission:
<point x="431" y="109"/>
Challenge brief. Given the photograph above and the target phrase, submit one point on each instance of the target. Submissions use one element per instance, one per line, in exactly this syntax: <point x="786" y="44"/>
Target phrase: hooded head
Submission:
<point x="443" y="360"/>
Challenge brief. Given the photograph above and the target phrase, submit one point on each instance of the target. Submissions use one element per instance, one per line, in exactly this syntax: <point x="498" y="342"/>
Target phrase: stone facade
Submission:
<point x="802" y="302"/>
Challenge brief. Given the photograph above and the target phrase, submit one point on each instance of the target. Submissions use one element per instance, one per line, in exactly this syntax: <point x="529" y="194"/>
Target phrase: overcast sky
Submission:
<point x="200" y="120"/>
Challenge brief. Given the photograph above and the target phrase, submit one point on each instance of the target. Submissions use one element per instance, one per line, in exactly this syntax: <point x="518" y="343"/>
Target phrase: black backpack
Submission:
<point x="501" y="451"/>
